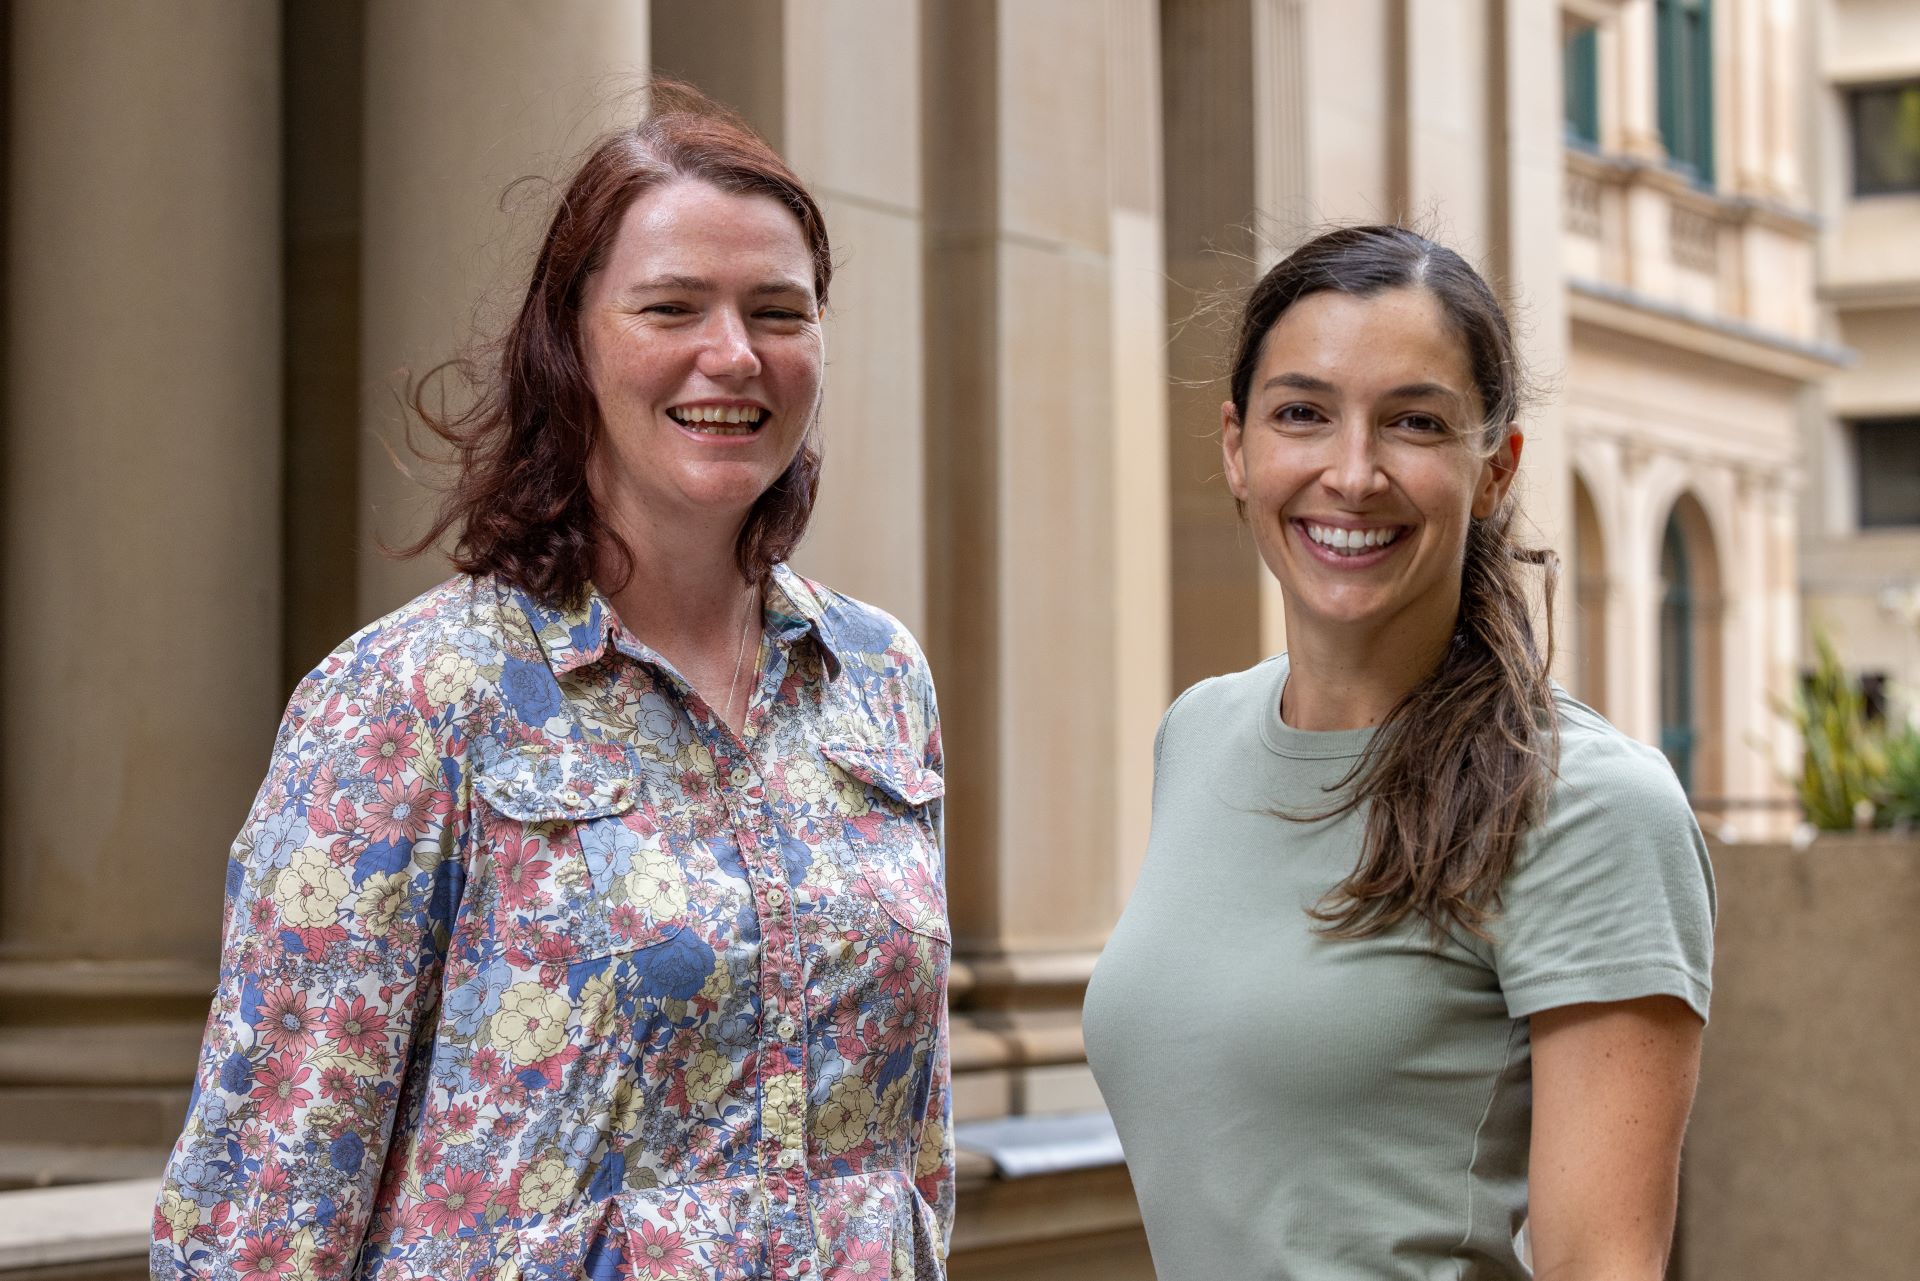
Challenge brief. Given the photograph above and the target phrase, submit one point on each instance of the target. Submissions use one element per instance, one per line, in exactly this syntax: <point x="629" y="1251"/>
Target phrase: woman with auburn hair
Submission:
<point x="590" y="920"/>
<point x="1420" y="951"/>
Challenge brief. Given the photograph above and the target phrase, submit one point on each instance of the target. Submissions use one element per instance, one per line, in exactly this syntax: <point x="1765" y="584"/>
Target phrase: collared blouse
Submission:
<point x="533" y="969"/>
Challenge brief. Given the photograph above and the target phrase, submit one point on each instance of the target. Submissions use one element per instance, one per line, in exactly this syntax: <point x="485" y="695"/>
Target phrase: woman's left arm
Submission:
<point x="1612" y="1085"/>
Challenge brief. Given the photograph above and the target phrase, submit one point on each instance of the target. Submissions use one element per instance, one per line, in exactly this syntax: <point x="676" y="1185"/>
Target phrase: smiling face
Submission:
<point x="1359" y="466"/>
<point x="703" y="346"/>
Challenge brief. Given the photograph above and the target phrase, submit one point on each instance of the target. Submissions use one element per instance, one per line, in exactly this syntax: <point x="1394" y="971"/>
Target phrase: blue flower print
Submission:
<point x="609" y="848"/>
<point x="280" y="836"/>
<point x="531" y="690"/>
<point x="474" y="1001"/>
<point x="660" y="720"/>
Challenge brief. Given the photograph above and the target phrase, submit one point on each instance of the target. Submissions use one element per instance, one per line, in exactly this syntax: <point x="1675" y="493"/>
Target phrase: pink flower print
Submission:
<point x="895" y="962"/>
<point x="901" y="1028"/>
<point x="286" y="1022"/>
<point x="388" y="748"/>
<point x="277" y="1087"/>
<point x="863" y="1261"/>
<point x="662" y="1253"/>
<point x="400" y="814"/>
<point x="455" y="1202"/>
<point x="519" y="871"/>
<point x="269" y="1254"/>
<point x="355" y="1028"/>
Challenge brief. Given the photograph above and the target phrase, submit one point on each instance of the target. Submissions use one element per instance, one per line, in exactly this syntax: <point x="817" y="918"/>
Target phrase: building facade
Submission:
<point x="236" y="228"/>
<point x="1860" y="547"/>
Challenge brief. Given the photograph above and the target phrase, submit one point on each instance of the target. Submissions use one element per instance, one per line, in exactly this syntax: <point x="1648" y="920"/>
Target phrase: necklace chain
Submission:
<point x="740" y="655"/>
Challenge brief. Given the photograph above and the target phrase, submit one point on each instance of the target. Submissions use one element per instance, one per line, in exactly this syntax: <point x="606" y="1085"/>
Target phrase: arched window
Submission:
<point x="1679" y="722"/>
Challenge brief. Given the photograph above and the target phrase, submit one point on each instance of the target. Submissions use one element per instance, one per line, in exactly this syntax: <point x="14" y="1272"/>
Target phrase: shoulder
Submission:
<point x="425" y="657"/>
<point x="1210" y="704"/>
<point x="859" y="633"/>
<point x="1600" y="767"/>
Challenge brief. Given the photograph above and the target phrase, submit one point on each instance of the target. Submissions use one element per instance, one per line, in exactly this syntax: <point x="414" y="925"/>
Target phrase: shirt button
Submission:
<point x="571" y="795"/>
<point x="789" y="1157"/>
<point x="785" y="1028"/>
<point x="776" y="896"/>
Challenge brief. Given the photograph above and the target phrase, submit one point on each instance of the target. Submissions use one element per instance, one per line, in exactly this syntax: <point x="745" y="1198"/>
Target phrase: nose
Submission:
<point x="1353" y="469"/>
<point x="728" y="352"/>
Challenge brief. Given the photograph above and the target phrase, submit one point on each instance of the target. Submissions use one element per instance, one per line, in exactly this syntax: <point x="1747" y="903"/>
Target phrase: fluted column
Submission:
<point x="142" y="483"/>
<point x="1043" y="222"/>
<point x="463" y="98"/>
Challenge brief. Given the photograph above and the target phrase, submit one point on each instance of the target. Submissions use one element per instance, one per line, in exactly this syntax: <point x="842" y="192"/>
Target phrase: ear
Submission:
<point x="1497" y="474"/>
<point x="1231" y="439"/>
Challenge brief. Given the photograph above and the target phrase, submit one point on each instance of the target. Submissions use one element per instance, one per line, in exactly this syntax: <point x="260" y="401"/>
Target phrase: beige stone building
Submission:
<point x="233" y="226"/>
<point x="1860" y="545"/>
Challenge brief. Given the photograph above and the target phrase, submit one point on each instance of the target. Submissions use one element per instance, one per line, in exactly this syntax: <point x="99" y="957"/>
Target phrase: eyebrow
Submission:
<point x="1407" y="391"/>
<point x="702" y="285"/>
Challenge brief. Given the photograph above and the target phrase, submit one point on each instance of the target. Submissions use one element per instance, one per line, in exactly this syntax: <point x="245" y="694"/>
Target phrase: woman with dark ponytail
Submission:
<point x="1420" y="952"/>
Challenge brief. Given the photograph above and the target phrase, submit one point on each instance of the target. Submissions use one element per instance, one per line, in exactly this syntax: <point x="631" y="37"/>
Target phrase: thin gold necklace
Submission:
<point x="739" y="657"/>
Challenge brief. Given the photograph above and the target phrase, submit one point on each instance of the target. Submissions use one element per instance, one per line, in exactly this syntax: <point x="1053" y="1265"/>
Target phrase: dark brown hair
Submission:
<point x="520" y="499"/>
<point x="1458" y="770"/>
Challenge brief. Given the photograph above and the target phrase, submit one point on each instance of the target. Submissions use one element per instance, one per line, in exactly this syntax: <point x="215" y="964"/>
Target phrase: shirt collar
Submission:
<point x="578" y="635"/>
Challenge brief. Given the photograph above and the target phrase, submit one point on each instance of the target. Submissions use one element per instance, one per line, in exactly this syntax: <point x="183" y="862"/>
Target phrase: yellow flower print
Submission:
<point x="626" y="1108"/>
<point x="599" y="1011"/>
<point x="309" y="889"/>
<point x="806" y="782"/>
<point x="696" y="757"/>
<point x="182" y="1215"/>
<point x="785" y="1108"/>
<point x="933" y="1150"/>
<point x="893" y="1104"/>
<point x="531" y="1024"/>
<point x="719" y="984"/>
<point x="546" y="1185"/>
<point x="657" y="884"/>
<point x="843" y="1118"/>
<point x="382" y="898"/>
<point x="850" y="795"/>
<point x="448" y="677"/>
<point x="708" y="1075"/>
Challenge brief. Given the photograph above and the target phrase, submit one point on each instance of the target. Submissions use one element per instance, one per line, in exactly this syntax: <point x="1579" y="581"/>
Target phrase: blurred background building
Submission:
<point x="234" y="228"/>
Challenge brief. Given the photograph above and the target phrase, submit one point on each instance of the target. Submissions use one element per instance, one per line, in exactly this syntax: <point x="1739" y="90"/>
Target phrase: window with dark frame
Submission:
<point x="1885" y="123"/>
<point x="1683" y="31"/>
<point x="1887" y="462"/>
<point x="1582" y="81"/>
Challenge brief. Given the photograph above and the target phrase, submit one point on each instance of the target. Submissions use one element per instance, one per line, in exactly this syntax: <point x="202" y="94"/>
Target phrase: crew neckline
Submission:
<point x="1283" y="739"/>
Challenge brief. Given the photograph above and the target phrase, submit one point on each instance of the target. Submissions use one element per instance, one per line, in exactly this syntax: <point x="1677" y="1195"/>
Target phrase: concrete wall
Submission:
<point x="1804" y="1155"/>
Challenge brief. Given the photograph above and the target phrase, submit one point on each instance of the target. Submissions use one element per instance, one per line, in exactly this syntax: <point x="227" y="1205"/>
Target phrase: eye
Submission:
<point x="1422" y="424"/>
<point x="1296" y="415"/>
<point x="666" y="309"/>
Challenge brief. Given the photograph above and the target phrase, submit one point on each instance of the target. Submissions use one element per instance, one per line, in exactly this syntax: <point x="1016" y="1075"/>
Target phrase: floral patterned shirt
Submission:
<point x="534" y="969"/>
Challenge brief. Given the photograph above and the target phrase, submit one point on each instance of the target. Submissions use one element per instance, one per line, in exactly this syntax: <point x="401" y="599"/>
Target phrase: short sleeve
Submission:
<point x="1612" y="899"/>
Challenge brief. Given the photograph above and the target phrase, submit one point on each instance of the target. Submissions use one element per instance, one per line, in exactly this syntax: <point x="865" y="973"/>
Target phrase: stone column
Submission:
<point x="1042" y="217"/>
<point x="1635" y="88"/>
<point x="142" y="550"/>
<point x="856" y="141"/>
<point x="463" y="98"/>
<point x="142" y="484"/>
<point x="1526" y="183"/>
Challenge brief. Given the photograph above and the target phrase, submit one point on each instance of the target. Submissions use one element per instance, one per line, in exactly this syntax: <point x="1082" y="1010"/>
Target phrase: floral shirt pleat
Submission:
<point x="534" y="969"/>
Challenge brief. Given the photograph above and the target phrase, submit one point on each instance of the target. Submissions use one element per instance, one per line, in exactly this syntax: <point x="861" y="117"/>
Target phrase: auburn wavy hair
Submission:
<point x="1458" y="771"/>
<point x="519" y="503"/>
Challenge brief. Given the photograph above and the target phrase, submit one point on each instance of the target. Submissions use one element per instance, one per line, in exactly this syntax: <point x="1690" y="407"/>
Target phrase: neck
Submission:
<point x="684" y="588"/>
<point x="1342" y="678"/>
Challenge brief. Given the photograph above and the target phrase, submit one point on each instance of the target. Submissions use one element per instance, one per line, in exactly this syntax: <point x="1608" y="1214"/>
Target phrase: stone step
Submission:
<point x="56" y="992"/>
<point x="138" y="1055"/>
<point x="48" y="1165"/>
<point x="104" y="1117"/>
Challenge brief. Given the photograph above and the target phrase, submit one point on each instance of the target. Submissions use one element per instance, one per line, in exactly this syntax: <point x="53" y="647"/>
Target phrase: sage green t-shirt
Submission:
<point x="1311" y="1109"/>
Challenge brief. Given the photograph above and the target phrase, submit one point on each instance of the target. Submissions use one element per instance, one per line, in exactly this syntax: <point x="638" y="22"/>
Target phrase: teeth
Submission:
<point x="692" y="415"/>
<point x="1350" y="540"/>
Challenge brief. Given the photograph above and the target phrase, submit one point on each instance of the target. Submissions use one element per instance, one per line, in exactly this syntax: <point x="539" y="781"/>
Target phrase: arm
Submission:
<point x="335" y="888"/>
<point x="1612" y="1085"/>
